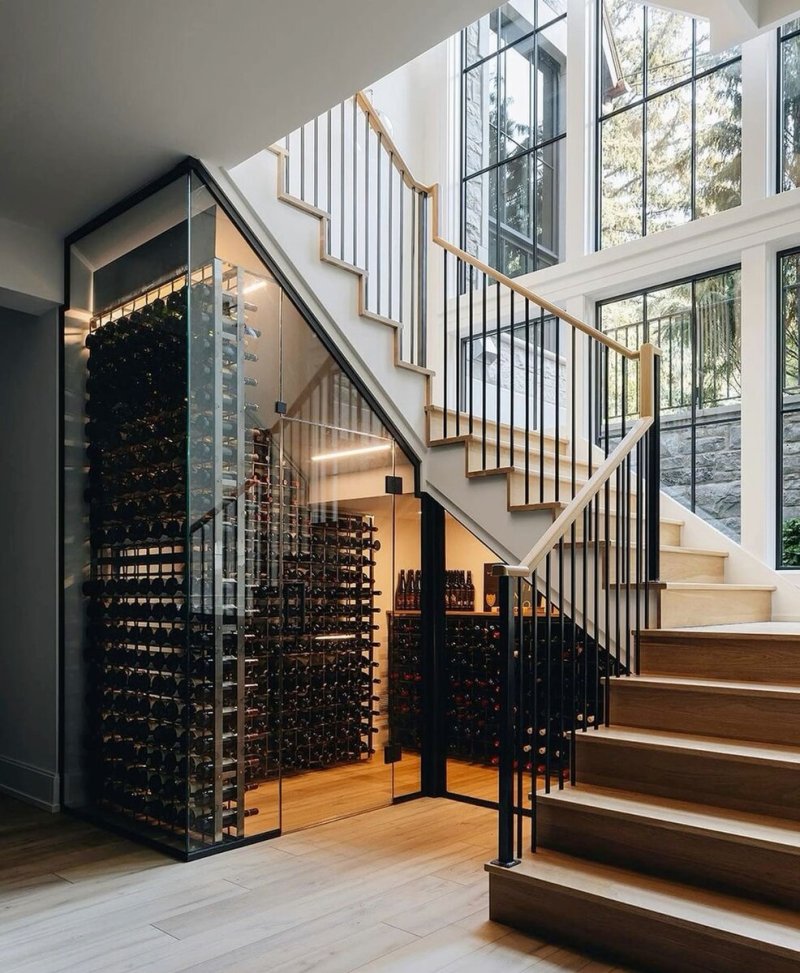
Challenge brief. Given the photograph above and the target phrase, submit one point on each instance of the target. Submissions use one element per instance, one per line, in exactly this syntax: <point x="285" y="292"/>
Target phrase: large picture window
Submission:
<point x="669" y="122"/>
<point x="513" y="135"/>
<point x="697" y="325"/>
<point x="789" y="84"/>
<point x="788" y="479"/>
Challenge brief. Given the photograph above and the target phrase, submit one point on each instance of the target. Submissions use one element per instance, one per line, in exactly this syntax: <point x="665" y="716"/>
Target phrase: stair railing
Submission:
<point x="568" y="414"/>
<point x="590" y="580"/>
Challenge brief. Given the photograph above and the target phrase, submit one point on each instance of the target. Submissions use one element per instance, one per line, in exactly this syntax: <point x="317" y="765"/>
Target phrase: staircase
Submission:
<point x="678" y="847"/>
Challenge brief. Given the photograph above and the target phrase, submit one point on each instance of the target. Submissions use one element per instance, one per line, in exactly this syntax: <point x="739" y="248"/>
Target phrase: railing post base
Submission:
<point x="509" y="864"/>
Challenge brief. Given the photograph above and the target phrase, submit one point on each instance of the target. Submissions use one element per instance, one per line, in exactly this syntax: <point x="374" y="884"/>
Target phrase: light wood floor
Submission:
<point x="399" y="889"/>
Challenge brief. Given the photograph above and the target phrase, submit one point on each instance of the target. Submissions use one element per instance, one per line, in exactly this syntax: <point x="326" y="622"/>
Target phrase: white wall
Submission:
<point x="29" y="556"/>
<point x="31" y="267"/>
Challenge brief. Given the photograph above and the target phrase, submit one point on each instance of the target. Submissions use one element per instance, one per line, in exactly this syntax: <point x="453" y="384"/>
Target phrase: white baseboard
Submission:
<point x="29" y="783"/>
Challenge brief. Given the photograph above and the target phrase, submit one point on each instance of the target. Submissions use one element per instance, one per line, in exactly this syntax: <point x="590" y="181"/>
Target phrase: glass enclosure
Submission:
<point x="231" y="509"/>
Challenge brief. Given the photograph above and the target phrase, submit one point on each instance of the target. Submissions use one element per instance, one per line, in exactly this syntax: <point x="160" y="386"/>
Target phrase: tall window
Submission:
<point x="697" y="325"/>
<point x="789" y="67"/>
<point x="513" y="135"/>
<point x="788" y="479"/>
<point x="669" y="132"/>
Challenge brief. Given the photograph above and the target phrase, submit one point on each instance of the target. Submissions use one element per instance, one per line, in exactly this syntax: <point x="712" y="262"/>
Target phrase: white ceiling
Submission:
<point x="97" y="97"/>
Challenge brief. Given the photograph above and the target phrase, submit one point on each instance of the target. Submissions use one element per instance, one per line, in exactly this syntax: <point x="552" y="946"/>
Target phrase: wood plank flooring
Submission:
<point x="397" y="889"/>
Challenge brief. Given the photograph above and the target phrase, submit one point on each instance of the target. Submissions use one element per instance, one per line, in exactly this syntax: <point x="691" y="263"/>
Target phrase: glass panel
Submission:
<point x="551" y="81"/>
<point x="669" y="159"/>
<point x="789" y="541"/>
<point x="622" y="182"/>
<point x="719" y="336"/>
<point x="790" y="279"/>
<point x="548" y="10"/>
<point x="479" y="200"/>
<point x="790" y="59"/>
<point x="718" y="473"/>
<point x="718" y="152"/>
<point x="516" y="221"/>
<point x="706" y="58"/>
<point x="405" y="664"/>
<point x="790" y="26"/>
<point x="669" y="48"/>
<point x="624" y="321"/>
<point x="481" y="116"/>
<point x="517" y="20"/>
<point x="125" y="502"/>
<point x="550" y="207"/>
<point x="480" y="39"/>
<point x="516" y="108"/>
<point x="622" y="54"/>
<point x="669" y="326"/>
<point x="471" y="665"/>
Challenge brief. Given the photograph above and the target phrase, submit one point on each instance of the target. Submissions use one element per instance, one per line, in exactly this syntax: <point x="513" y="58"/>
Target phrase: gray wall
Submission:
<point x="29" y="556"/>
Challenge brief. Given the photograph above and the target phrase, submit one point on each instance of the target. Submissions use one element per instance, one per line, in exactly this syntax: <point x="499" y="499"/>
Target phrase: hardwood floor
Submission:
<point x="398" y="889"/>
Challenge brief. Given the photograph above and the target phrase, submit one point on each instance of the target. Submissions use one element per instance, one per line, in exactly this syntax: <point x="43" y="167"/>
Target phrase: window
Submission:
<point x="788" y="479"/>
<point x="697" y="325"/>
<point x="789" y="99"/>
<point x="513" y="135"/>
<point x="669" y="122"/>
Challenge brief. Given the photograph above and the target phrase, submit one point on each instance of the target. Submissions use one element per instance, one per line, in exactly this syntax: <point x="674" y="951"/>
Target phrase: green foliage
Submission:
<point x="791" y="542"/>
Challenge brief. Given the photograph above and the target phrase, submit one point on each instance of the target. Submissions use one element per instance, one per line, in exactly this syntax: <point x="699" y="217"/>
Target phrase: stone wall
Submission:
<point x="718" y="464"/>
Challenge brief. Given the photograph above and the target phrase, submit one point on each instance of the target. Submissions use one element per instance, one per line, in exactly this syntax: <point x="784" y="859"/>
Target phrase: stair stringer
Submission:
<point x="292" y="238"/>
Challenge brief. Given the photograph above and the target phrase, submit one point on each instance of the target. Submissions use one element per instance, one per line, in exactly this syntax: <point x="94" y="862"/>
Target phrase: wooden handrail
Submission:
<point x="558" y="529"/>
<point x="433" y="191"/>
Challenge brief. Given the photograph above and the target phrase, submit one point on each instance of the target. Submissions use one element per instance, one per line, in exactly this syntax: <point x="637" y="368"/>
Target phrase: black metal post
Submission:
<point x="434" y="767"/>
<point x="508" y="697"/>
<point x="654" y="480"/>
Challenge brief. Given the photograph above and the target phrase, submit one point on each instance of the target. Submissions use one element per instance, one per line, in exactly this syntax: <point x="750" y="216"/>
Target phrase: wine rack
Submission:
<point x="230" y="622"/>
<point x="472" y="680"/>
<point x="136" y="596"/>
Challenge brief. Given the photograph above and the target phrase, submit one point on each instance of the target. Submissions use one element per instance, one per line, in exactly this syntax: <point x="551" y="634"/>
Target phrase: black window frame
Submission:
<point x="537" y="256"/>
<point x="641" y="104"/>
<point x="780" y="156"/>
<point x="698" y="414"/>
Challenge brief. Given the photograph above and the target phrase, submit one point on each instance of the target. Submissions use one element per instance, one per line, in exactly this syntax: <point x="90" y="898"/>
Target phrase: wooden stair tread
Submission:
<point x="746" y="750"/>
<point x="439" y="411"/>
<point x="782" y="834"/>
<point x="714" y="586"/>
<point x="690" y="684"/>
<point x="773" y="929"/>
<point x="714" y="634"/>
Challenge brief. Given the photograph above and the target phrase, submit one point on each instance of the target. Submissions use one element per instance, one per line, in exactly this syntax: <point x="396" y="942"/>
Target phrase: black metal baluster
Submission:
<point x="639" y="501"/>
<point x="574" y="439"/>
<point x="401" y="255"/>
<point x="520" y="706"/>
<point x="557" y="407"/>
<point x="390" y="247"/>
<point x="548" y="706"/>
<point x="414" y="318"/>
<point x="342" y="124"/>
<point x="511" y="385"/>
<point x="303" y="163"/>
<point x="378" y="223"/>
<point x="541" y="406"/>
<point x="527" y="444"/>
<point x="316" y="160"/>
<point x="471" y="354"/>
<point x="483" y="377"/>
<point x="457" y="354"/>
<point x="366" y="209"/>
<point x="497" y="365"/>
<point x="355" y="185"/>
<point x="535" y="715"/>
<point x="508" y="696"/>
<point x="562" y="648"/>
<point x="329" y="185"/>
<point x="444" y="359"/>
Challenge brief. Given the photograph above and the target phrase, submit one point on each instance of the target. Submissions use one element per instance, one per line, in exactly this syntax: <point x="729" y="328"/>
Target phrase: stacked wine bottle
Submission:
<point x="472" y="703"/>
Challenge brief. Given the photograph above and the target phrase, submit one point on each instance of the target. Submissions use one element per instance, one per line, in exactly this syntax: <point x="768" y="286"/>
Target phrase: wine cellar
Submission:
<point x="245" y="645"/>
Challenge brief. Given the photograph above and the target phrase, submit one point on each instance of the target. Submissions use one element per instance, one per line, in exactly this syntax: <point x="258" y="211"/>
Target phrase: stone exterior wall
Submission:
<point x="474" y="241"/>
<point x="718" y="491"/>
